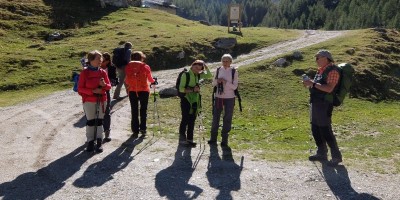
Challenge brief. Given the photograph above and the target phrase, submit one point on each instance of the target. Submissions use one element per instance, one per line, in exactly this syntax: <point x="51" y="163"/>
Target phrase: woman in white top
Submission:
<point x="224" y="99"/>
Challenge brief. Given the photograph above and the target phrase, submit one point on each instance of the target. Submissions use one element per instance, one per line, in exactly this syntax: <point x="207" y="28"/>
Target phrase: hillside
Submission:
<point x="29" y="59"/>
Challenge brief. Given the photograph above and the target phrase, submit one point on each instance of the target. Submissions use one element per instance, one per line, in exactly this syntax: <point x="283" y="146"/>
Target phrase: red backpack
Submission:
<point x="136" y="76"/>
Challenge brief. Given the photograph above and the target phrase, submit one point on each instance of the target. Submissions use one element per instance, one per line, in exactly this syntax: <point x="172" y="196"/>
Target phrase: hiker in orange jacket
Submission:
<point x="137" y="79"/>
<point x="92" y="86"/>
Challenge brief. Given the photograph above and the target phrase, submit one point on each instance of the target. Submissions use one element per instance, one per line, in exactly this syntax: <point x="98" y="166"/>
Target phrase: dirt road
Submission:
<point x="42" y="156"/>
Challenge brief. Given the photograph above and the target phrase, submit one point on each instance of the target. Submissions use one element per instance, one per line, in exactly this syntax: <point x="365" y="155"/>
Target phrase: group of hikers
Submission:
<point x="100" y="74"/>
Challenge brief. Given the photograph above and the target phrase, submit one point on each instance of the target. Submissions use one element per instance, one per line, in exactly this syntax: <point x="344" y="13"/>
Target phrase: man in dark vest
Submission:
<point x="121" y="69"/>
<point x="321" y="91"/>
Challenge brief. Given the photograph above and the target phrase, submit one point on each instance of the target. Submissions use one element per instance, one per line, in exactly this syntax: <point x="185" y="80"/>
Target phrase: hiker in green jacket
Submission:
<point x="191" y="101"/>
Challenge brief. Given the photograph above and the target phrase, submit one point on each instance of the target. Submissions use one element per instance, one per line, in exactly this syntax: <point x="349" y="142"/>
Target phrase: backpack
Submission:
<point x="178" y="81"/>
<point x="75" y="79"/>
<point x="118" y="58"/>
<point x="346" y="79"/>
<point x="236" y="90"/>
<point x="136" y="77"/>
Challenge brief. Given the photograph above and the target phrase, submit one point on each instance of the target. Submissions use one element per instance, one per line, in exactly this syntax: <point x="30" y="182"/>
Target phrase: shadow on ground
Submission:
<point x="173" y="182"/>
<point x="100" y="172"/>
<point x="47" y="180"/>
<point x="339" y="182"/>
<point x="223" y="173"/>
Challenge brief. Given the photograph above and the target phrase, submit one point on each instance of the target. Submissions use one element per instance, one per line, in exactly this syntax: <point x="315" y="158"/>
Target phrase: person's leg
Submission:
<point x="185" y="109"/>
<point x="320" y="142"/>
<point x="215" y="121"/>
<point x="100" y="120"/>
<point x="229" y="105"/>
<point x="190" y="130"/>
<point x="332" y="143"/>
<point x="89" y="109"/>
<point x="144" y="100"/>
<point x="133" y="99"/>
<point x="318" y="119"/>
<point x="121" y="77"/>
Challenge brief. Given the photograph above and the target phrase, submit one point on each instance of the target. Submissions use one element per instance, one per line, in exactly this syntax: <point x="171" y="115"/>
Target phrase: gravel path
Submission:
<point x="42" y="157"/>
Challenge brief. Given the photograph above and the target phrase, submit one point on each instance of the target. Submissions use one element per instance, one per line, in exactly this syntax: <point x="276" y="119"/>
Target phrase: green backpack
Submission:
<point x="343" y="88"/>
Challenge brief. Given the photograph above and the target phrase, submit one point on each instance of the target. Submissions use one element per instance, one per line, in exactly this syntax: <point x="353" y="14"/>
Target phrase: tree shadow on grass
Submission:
<point x="172" y="182"/>
<point x="339" y="182"/>
<point x="100" y="172"/>
<point x="47" y="180"/>
<point x="223" y="173"/>
<point x="73" y="13"/>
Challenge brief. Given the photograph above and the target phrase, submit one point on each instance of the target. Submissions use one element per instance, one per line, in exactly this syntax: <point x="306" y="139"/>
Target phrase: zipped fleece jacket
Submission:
<point x="89" y="80"/>
<point x="193" y="97"/>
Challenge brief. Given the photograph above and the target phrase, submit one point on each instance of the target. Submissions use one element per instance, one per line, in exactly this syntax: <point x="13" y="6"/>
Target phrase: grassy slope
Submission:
<point x="274" y="124"/>
<point x="29" y="61"/>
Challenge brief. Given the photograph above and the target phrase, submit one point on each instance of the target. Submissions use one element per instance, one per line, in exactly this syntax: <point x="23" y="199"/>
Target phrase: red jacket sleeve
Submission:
<point x="82" y="83"/>
<point x="149" y="75"/>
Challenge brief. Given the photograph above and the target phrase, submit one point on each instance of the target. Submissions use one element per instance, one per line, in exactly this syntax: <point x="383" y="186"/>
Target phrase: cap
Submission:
<point x="325" y="53"/>
<point x="198" y="62"/>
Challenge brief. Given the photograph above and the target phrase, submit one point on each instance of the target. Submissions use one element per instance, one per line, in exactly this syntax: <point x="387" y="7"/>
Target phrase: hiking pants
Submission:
<point x="227" y="106"/>
<point x="187" y="122"/>
<point x="107" y="114"/>
<point x="321" y="127"/>
<point x="90" y="112"/>
<point x="135" y="98"/>
<point x="121" y="77"/>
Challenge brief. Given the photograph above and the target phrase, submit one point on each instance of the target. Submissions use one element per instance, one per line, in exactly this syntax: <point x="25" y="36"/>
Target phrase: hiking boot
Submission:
<point x="90" y="146"/>
<point x="212" y="142"/>
<point x="144" y="134"/>
<point x="318" y="157"/>
<point x="135" y="134"/>
<point x="99" y="149"/>
<point x="107" y="136"/>
<point x="334" y="162"/>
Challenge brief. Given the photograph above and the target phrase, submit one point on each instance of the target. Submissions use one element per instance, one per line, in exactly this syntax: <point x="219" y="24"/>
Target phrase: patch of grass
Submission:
<point x="274" y="124"/>
<point x="29" y="61"/>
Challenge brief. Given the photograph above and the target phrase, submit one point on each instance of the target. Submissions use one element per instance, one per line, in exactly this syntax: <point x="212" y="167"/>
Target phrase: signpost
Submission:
<point x="234" y="17"/>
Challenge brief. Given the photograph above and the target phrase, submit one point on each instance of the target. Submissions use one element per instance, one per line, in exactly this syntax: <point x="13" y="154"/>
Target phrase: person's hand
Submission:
<point x="196" y="88"/>
<point x="308" y="83"/>
<point x="102" y="83"/>
<point x="155" y="81"/>
<point x="221" y="80"/>
<point x="97" y="91"/>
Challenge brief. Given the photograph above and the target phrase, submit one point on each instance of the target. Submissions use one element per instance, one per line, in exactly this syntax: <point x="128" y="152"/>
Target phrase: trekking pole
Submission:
<point x="96" y="120"/>
<point x="310" y="135"/>
<point x="155" y="106"/>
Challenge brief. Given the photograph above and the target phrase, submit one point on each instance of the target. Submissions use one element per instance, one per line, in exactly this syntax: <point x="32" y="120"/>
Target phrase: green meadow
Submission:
<point x="274" y="124"/>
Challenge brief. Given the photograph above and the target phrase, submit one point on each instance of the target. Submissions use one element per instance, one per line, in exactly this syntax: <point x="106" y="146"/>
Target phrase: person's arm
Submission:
<point x="332" y="81"/>
<point x="107" y="86"/>
<point x="128" y="53"/>
<point x="82" y="83"/>
<point x="149" y="75"/>
<point x="207" y="75"/>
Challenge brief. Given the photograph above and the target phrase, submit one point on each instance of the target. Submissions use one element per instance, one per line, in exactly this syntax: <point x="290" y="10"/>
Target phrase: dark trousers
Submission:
<point x="321" y="119"/>
<point x="227" y="106"/>
<point x="135" y="98"/>
<point x="187" y="122"/>
<point x="107" y="115"/>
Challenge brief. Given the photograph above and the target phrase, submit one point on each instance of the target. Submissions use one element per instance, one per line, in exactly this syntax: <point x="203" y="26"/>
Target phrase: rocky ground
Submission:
<point x="42" y="154"/>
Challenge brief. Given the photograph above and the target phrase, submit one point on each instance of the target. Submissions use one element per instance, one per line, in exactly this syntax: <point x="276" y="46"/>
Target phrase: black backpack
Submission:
<point x="236" y="91"/>
<point x="118" y="58"/>
<point x="178" y="81"/>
